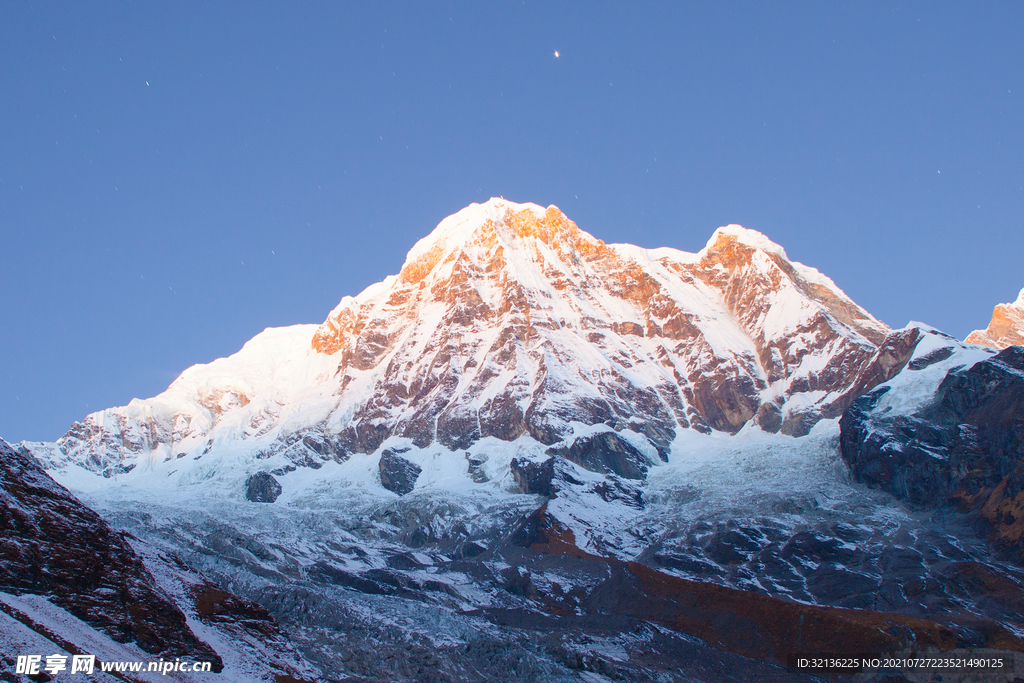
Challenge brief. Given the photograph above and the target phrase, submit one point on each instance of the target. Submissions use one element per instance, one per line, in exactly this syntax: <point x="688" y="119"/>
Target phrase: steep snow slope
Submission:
<point x="1006" y="327"/>
<point x="509" y="322"/>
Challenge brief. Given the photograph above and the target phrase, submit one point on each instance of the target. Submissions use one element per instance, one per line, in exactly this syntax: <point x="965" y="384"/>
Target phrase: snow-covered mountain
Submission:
<point x="1006" y="327"/>
<point x="508" y="321"/>
<point x="531" y="455"/>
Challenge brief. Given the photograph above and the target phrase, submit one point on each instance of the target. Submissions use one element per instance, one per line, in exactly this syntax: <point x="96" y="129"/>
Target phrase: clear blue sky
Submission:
<point x="176" y="177"/>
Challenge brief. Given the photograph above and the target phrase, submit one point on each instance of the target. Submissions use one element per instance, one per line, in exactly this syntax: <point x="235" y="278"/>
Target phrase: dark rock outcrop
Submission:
<point x="606" y="453"/>
<point x="398" y="474"/>
<point x="533" y="477"/>
<point x="476" y="467"/>
<point x="52" y="545"/>
<point x="615" y="490"/>
<point x="966" y="447"/>
<point x="216" y="606"/>
<point x="262" y="488"/>
<point x="905" y="455"/>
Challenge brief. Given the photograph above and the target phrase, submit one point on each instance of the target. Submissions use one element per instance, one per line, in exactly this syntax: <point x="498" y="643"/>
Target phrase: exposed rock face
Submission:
<point x="509" y="321"/>
<point x="965" y="446"/>
<point x="262" y="488"/>
<point x="215" y="605"/>
<point x="533" y="477"/>
<point x="51" y="544"/>
<point x="398" y="474"/>
<point x="891" y="357"/>
<point x="606" y="453"/>
<point x="1006" y="327"/>
<point x="908" y="456"/>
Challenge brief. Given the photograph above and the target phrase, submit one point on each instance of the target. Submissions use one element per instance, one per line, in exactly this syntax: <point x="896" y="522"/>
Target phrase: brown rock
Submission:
<point x="752" y="624"/>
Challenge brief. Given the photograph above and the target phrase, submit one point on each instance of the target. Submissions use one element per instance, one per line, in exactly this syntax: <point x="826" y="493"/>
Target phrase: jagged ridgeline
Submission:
<point x="508" y="321"/>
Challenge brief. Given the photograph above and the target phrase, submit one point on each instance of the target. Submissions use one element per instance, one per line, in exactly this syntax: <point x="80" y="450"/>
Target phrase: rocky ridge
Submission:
<point x="1006" y="327"/>
<point x="55" y="546"/>
<point x="959" y="445"/>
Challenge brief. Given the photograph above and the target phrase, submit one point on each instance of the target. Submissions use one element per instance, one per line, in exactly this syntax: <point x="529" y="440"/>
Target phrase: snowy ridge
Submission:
<point x="935" y="356"/>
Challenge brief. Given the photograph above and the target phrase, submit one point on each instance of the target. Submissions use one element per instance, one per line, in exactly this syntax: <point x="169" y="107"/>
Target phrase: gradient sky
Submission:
<point x="176" y="177"/>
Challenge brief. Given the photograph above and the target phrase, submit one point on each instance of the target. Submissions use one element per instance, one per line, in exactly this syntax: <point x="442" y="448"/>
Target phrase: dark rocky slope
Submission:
<point x="52" y="545"/>
<point x="963" y="449"/>
<point x="744" y="622"/>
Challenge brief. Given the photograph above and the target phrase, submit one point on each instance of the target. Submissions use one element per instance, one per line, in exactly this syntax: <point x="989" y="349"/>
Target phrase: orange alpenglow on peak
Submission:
<point x="1006" y="327"/>
<point x="481" y="240"/>
<point x="508" y="319"/>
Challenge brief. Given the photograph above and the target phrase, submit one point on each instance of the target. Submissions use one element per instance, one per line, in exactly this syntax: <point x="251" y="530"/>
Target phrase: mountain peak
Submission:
<point x="505" y="310"/>
<point x="1006" y="327"/>
<point x="499" y="215"/>
<point x="496" y="222"/>
<point x="727" y="236"/>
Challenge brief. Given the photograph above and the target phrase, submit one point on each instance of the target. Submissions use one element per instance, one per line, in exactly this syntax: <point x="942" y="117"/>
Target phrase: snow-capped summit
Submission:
<point x="745" y="236"/>
<point x="1006" y="327"/>
<point x="508" y="321"/>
